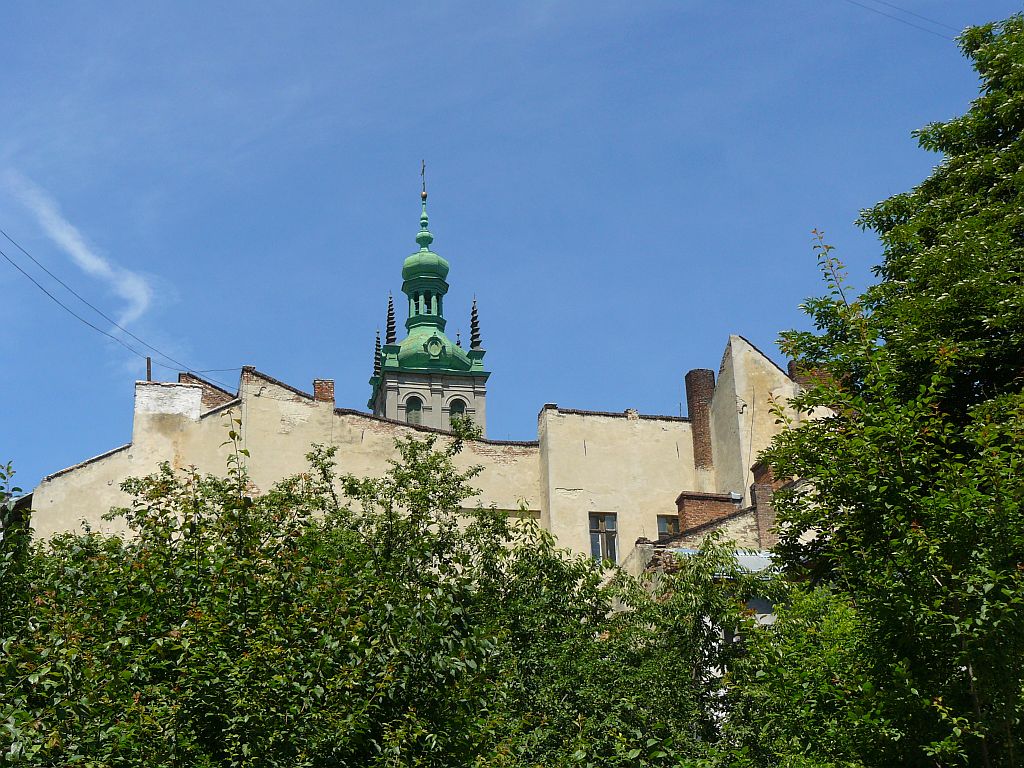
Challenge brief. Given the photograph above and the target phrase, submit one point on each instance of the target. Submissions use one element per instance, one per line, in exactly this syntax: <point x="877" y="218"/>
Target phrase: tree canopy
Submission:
<point x="910" y="501"/>
<point x="387" y="624"/>
<point x="952" y="277"/>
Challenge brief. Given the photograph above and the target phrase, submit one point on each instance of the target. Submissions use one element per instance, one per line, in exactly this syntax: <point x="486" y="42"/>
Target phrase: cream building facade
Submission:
<point x="635" y="471"/>
<point x="599" y="482"/>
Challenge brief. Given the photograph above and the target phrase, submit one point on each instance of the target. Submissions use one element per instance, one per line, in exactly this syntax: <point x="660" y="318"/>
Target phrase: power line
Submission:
<point x="67" y="309"/>
<point x="91" y="306"/>
<point x="919" y="16"/>
<point x="900" y="20"/>
<point x="180" y="365"/>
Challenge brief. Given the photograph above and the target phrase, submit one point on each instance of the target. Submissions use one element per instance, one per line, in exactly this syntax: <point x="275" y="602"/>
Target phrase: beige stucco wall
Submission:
<point x="625" y="464"/>
<point x="583" y="462"/>
<point x="278" y="429"/>
<point x="742" y="421"/>
<point x="85" y="492"/>
<point x="167" y="427"/>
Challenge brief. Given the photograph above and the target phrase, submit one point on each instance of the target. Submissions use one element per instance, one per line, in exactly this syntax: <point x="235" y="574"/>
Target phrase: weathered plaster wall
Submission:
<point x="85" y="491"/>
<point x="279" y="426"/>
<point x="167" y="427"/>
<point x="623" y="463"/>
<point x="725" y="437"/>
<point x="742" y="421"/>
<point x="634" y="466"/>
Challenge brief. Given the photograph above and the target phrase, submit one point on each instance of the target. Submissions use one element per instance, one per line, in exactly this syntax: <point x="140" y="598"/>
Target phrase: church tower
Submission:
<point x="426" y="379"/>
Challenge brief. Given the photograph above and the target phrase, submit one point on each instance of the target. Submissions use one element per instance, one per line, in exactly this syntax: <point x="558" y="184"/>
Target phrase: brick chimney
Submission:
<point x="696" y="508"/>
<point x="323" y="391"/>
<point x="764" y="511"/>
<point x="700" y="388"/>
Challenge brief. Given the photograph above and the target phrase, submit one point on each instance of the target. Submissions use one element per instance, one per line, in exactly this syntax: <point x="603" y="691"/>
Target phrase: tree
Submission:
<point x="911" y="500"/>
<point x="953" y="269"/>
<point x="911" y="504"/>
<point x="337" y="620"/>
<point x="14" y="544"/>
<point x="803" y="695"/>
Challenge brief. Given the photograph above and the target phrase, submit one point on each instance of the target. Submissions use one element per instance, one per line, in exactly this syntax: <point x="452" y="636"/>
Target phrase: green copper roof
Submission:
<point x="424" y="263"/>
<point x="427" y="349"/>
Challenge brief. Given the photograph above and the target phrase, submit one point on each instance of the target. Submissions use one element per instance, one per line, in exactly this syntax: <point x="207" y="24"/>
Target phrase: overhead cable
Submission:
<point x="180" y="365"/>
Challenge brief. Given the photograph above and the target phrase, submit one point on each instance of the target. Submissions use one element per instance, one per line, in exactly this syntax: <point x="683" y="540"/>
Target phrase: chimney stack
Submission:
<point x="764" y="511"/>
<point x="323" y="391"/>
<point x="700" y="388"/>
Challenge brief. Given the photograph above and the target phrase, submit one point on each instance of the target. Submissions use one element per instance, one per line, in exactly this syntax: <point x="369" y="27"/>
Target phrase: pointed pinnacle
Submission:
<point x="474" y="328"/>
<point x="390" y="337"/>
<point x="376" y="355"/>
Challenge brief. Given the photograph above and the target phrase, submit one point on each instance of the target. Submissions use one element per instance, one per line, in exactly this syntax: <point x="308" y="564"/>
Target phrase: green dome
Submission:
<point x="427" y="347"/>
<point x="424" y="263"/>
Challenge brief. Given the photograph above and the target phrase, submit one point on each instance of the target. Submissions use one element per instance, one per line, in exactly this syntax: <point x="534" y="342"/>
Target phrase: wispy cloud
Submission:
<point x="130" y="286"/>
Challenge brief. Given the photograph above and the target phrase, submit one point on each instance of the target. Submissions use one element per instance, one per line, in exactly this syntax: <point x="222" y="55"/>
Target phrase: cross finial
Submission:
<point x="424" y="238"/>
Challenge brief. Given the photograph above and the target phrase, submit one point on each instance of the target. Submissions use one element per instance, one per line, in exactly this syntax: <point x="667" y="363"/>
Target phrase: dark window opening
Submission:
<point x="602" y="536"/>
<point x="668" y="525"/>
<point x="414" y="410"/>
<point x="456" y="410"/>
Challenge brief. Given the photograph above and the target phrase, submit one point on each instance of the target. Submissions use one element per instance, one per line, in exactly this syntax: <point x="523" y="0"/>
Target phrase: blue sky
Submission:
<point x="621" y="185"/>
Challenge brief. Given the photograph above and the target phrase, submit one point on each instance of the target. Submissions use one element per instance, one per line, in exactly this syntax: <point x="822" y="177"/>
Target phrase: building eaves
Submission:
<point x="431" y="430"/>
<point x="277" y="382"/>
<point x="222" y="407"/>
<point x="612" y="414"/>
<point x="206" y="383"/>
<point x="92" y="460"/>
<point x="762" y="354"/>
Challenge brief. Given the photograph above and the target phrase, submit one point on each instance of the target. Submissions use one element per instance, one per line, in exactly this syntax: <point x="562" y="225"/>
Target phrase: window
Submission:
<point x="456" y="410"/>
<point x="602" y="536"/>
<point x="414" y="410"/>
<point x="668" y="525"/>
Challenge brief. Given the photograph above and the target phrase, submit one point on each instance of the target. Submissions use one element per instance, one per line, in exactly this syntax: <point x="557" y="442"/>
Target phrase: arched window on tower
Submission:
<point x="456" y="410"/>
<point x="414" y="410"/>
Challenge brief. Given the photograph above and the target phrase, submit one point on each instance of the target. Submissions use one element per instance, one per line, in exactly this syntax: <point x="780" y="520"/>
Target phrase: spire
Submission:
<point x="474" y="328"/>
<point x="390" y="336"/>
<point x="376" y="355"/>
<point x="424" y="238"/>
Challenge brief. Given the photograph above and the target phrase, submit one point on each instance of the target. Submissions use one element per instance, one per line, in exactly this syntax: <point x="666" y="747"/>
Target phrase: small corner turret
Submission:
<point x="426" y="379"/>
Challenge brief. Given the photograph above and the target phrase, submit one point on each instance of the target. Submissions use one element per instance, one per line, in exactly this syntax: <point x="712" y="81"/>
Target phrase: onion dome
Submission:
<point x="424" y="262"/>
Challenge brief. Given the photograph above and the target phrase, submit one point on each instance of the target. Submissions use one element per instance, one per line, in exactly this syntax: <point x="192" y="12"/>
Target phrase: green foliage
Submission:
<point x="910" y="505"/>
<point x="915" y="511"/>
<point x="803" y="695"/>
<point x="14" y="543"/>
<point x="641" y="685"/>
<point x="338" y="620"/>
<point x="953" y="274"/>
